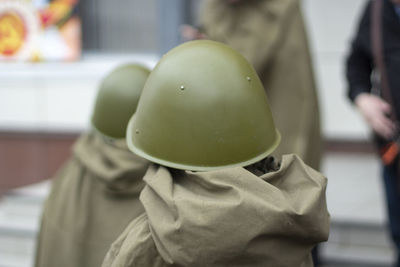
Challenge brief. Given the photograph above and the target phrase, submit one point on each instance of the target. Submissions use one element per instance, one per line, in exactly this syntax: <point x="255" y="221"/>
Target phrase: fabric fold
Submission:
<point x="239" y="24"/>
<point x="228" y="217"/>
<point x="94" y="196"/>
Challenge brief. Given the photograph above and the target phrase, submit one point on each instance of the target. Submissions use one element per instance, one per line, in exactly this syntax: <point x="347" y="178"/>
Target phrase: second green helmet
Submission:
<point x="203" y="107"/>
<point x="117" y="99"/>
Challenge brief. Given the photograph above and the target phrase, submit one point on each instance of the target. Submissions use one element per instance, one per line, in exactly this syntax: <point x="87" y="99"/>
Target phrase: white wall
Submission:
<point x="55" y="96"/>
<point x="331" y="24"/>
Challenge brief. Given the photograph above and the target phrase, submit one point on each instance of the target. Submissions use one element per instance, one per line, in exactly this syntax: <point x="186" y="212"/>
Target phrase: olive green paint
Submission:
<point x="117" y="99"/>
<point x="203" y="107"/>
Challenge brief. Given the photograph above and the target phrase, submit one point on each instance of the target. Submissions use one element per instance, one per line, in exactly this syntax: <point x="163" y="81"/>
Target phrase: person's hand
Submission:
<point x="190" y="33"/>
<point x="376" y="111"/>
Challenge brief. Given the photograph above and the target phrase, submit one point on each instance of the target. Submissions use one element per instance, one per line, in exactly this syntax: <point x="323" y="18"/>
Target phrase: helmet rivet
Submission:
<point x="137" y="131"/>
<point x="182" y="87"/>
<point x="248" y="78"/>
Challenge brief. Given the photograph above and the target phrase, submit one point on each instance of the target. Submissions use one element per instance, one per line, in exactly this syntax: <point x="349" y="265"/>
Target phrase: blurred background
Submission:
<point x="46" y="97"/>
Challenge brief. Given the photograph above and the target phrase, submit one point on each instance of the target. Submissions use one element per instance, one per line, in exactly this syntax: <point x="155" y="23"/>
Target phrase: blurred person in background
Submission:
<point x="214" y="195"/>
<point x="271" y="35"/>
<point x="96" y="193"/>
<point x="372" y="70"/>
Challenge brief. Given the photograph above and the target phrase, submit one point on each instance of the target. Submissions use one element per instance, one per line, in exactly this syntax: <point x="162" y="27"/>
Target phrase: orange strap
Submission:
<point x="389" y="153"/>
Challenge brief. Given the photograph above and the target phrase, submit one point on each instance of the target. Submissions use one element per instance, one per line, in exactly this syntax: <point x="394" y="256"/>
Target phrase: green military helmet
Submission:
<point x="203" y="107"/>
<point x="117" y="99"/>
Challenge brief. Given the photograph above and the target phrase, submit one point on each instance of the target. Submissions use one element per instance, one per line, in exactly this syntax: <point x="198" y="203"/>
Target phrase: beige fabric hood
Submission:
<point x="228" y="217"/>
<point x="111" y="162"/>
<point x="93" y="198"/>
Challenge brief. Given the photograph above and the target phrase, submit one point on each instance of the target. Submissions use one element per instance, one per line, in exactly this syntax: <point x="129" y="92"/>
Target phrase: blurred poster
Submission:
<point x="39" y="30"/>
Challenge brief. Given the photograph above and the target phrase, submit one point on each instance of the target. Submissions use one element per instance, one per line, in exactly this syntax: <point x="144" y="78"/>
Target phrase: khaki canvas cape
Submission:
<point x="271" y="35"/>
<point x="228" y="217"/>
<point x="93" y="198"/>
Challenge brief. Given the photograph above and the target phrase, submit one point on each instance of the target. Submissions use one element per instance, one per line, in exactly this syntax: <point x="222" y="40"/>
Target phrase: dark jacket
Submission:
<point x="360" y="60"/>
